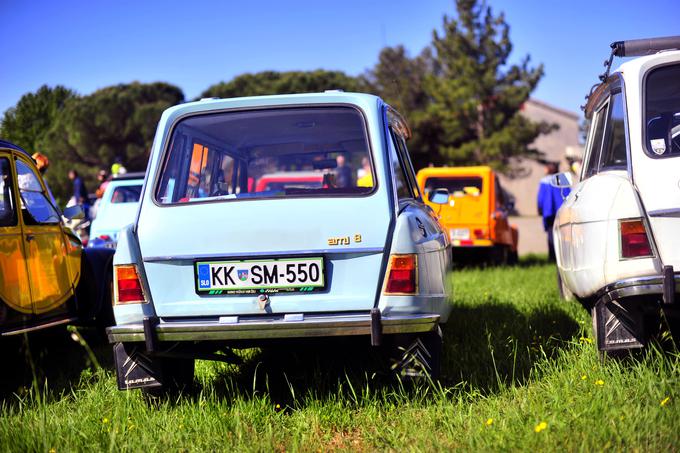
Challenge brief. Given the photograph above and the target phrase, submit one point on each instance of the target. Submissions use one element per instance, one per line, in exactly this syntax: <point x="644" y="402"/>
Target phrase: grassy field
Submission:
<point x="520" y="372"/>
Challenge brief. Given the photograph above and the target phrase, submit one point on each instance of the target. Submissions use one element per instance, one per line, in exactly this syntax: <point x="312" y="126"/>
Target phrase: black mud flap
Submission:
<point x="618" y="326"/>
<point x="418" y="356"/>
<point x="134" y="368"/>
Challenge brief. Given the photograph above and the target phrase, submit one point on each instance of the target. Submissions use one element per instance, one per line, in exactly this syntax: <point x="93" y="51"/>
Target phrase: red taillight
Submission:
<point x="105" y="237"/>
<point x="634" y="239"/>
<point x="402" y="275"/>
<point x="128" y="286"/>
<point x="480" y="233"/>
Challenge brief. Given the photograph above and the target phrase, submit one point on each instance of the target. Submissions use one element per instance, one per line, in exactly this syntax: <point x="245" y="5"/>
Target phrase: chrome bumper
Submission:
<point x="665" y="285"/>
<point x="274" y="327"/>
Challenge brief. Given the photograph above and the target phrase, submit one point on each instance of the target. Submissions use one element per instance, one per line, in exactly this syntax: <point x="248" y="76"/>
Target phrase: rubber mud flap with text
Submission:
<point x="134" y="369"/>
<point x="618" y="325"/>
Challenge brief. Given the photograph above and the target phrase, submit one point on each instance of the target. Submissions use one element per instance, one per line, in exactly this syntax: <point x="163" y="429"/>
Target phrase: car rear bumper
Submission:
<point x="665" y="285"/>
<point x="278" y="326"/>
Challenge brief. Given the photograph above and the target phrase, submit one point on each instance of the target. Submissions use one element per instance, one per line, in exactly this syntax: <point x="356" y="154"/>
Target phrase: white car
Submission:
<point x="617" y="235"/>
<point x="116" y="209"/>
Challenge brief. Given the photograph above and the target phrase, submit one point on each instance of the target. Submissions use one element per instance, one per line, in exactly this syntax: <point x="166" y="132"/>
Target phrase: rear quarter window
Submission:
<point x="662" y="111"/>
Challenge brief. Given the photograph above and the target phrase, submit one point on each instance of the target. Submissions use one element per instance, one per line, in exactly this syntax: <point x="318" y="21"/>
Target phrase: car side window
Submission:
<point x="595" y="144"/>
<point x="400" y="178"/>
<point x="402" y="150"/>
<point x="614" y="150"/>
<point x="8" y="213"/>
<point x="662" y="111"/>
<point x="35" y="203"/>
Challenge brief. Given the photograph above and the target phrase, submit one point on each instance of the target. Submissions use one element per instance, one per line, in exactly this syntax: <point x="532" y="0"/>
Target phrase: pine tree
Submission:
<point x="473" y="116"/>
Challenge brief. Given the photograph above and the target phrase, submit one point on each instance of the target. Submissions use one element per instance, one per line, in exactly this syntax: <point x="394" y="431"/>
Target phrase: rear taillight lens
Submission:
<point x="402" y="274"/>
<point x="128" y="286"/>
<point x="480" y="233"/>
<point x="634" y="239"/>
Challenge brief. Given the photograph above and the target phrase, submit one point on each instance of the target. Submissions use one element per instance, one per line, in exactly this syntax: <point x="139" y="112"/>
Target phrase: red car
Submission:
<point x="290" y="179"/>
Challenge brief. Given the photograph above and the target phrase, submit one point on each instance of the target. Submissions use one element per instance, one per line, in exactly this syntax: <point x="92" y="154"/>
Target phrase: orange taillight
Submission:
<point x="128" y="285"/>
<point x="634" y="239"/>
<point x="402" y="274"/>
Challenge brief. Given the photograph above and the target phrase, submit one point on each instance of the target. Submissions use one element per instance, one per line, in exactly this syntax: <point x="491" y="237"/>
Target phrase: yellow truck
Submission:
<point x="476" y="216"/>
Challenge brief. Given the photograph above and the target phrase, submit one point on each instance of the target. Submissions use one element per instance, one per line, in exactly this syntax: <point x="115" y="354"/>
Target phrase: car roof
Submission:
<point x="126" y="182"/>
<point x="292" y="174"/>
<point x="9" y="145"/>
<point x="130" y="175"/>
<point x="455" y="171"/>
<point x="302" y="99"/>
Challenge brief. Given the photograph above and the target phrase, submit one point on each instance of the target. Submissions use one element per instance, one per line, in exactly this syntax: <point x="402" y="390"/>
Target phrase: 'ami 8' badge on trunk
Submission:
<point x="257" y="276"/>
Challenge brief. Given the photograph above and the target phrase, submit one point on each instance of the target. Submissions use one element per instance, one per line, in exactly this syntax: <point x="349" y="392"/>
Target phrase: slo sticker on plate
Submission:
<point x="260" y="276"/>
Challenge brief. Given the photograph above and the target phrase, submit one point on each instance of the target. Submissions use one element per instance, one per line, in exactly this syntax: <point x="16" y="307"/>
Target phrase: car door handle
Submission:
<point x="29" y="237"/>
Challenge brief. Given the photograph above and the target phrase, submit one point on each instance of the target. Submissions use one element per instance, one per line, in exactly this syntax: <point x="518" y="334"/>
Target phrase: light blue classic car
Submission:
<point x="116" y="208"/>
<point x="216" y="260"/>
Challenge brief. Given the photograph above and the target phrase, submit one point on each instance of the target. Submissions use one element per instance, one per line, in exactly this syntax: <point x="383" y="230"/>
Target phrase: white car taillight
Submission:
<point x="634" y="239"/>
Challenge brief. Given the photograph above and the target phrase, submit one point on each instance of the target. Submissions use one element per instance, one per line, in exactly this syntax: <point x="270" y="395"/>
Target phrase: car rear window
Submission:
<point x="272" y="153"/>
<point x="662" y="111"/>
<point x="458" y="186"/>
<point x="126" y="194"/>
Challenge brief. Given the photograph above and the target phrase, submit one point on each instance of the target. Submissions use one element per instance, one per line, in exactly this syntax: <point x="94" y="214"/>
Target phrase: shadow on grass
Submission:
<point x="291" y="371"/>
<point x="495" y="344"/>
<point x="49" y="359"/>
<point x="485" y="347"/>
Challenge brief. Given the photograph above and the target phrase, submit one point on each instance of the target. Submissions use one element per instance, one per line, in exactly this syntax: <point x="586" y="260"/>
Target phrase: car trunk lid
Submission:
<point x="351" y="248"/>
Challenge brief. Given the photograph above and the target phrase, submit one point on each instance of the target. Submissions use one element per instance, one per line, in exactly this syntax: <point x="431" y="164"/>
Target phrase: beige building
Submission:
<point x="555" y="147"/>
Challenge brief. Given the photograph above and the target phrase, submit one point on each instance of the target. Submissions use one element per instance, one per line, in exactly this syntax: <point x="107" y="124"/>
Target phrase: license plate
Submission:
<point x="459" y="233"/>
<point x="260" y="276"/>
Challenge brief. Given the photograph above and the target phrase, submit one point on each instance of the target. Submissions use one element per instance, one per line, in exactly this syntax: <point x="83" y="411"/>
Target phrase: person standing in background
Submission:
<point x="343" y="174"/>
<point x="79" y="192"/>
<point x="549" y="201"/>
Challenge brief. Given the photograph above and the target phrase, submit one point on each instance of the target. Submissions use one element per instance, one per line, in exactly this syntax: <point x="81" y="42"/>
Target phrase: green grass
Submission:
<point x="517" y="359"/>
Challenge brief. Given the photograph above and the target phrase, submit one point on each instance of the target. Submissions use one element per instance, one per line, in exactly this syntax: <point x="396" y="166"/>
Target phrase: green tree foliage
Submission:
<point x="400" y="81"/>
<point x="117" y="122"/>
<point x="475" y="98"/>
<point x="27" y="123"/>
<point x="273" y="82"/>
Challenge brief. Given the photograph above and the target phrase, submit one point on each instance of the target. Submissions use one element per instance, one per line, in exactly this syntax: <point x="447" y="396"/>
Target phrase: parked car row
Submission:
<point x="267" y="219"/>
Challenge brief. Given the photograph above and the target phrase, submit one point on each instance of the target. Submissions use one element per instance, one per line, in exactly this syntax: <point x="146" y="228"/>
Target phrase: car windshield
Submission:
<point x="662" y="111"/>
<point x="126" y="194"/>
<point x="458" y="186"/>
<point x="271" y="153"/>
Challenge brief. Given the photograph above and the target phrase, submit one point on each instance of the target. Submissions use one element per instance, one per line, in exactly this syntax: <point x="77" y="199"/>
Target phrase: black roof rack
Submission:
<point x="634" y="48"/>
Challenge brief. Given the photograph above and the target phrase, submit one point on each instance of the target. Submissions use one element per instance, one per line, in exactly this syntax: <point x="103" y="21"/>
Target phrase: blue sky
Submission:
<point x="86" y="45"/>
